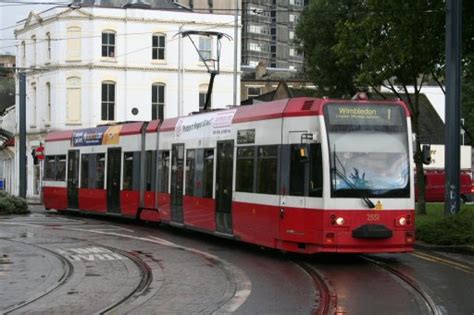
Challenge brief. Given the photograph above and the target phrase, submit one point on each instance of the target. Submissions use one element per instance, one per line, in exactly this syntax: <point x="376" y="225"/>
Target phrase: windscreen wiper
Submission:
<point x="343" y="176"/>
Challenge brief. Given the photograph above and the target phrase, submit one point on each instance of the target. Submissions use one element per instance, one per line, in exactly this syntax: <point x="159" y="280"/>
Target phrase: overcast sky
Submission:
<point x="11" y="11"/>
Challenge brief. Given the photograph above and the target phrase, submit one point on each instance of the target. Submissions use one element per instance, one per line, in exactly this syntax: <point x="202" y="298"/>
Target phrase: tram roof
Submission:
<point x="294" y="107"/>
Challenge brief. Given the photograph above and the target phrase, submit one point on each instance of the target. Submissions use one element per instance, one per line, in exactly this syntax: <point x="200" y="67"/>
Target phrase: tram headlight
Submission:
<point x="340" y="221"/>
<point x="402" y="221"/>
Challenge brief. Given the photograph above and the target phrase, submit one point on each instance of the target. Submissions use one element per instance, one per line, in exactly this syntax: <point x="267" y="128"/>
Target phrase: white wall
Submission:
<point x="132" y="68"/>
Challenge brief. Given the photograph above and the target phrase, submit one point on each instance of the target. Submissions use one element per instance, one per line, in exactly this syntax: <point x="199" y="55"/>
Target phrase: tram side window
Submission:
<point x="163" y="169"/>
<point x="99" y="171"/>
<point x="131" y="170"/>
<point x="297" y="171"/>
<point x="190" y="166"/>
<point x="150" y="173"/>
<point x="267" y="169"/>
<point x="316" y="171"/>
<point x="61" y="168"/>
<point x="85" y="171"/>
<point x="208" y="172"/>
<point x="245" y="169"/>
<point x="49" y="165"/>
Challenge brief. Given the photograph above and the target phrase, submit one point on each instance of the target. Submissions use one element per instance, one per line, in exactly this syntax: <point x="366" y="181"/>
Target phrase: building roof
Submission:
<point x="281" y="92"/>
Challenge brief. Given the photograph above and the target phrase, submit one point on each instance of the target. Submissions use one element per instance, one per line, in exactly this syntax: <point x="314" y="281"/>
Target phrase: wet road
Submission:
<point x="77" y="264"/>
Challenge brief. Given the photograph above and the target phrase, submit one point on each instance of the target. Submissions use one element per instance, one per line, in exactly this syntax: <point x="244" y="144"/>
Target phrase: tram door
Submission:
<point x="177" y="173"/>
<point x="114" y="156"/>
<point x="224" y="174"/>
<point x="73" y="179"/>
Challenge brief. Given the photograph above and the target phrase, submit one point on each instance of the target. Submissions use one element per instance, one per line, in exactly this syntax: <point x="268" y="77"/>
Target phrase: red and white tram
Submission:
<point x="302" y="175"/>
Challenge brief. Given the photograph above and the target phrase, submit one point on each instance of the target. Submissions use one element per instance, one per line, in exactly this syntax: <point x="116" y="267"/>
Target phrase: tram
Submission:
<point x="301" y="175"/>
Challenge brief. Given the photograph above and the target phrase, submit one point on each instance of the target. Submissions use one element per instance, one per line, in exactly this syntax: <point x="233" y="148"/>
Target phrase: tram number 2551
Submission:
<point x="373" y="217"/>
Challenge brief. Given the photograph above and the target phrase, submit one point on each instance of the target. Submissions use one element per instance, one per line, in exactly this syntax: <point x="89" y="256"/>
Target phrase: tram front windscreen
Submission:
<point x="368" y="146"/>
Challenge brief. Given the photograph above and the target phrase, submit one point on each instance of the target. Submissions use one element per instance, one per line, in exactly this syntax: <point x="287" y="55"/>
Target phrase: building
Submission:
<point x="91" y="64"/>
<point x="268" y="29"/>
<point x="7" y="66"/>
<point x="268" y="84"/>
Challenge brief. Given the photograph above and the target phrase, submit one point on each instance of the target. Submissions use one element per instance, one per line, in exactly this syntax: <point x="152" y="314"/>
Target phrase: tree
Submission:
<point x="395" y="44"/>
<point x="316" y="33"/>
<point x="467" y="92"/>
<point x="7" y="93"/>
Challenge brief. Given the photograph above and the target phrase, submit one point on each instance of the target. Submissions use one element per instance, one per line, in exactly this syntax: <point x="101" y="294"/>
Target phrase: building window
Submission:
<point x="23" y="53"/>
<point x="157" y="101"/>
<point x="291" y="35"/>
<point x="211" y="5"/>
<point x="108" y="101"/>
<point x="254" y="47"/>
<point x="205" y="47"/>
<point x="48" y="43"/>
<point x="33" y="105"/>
<point x="254" y="91"/>
<point x="108" y="44"/>
<point x="33" y="48"/>
<point x="158" y="47"/>
<point x="48" y="103"/>
<point x="73" y="101"/>
<point x="202" y="97"/>
<point x="73" y="44"/>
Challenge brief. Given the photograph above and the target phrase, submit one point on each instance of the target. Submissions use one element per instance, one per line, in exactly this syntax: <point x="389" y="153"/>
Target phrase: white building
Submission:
<point x="95" y="65"/>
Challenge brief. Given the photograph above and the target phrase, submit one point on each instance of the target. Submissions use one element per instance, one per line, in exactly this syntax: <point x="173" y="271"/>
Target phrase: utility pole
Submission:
<point x="22" y="135"/>
<point x="453" y="100"/>
<point x="236" y="50"/>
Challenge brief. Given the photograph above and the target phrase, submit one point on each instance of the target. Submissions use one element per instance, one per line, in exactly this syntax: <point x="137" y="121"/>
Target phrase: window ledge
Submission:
<point x="47" y="124"/>
<point x="158" y="62"/>
<point x="73" y="123"/>
<point x="109" y="59"/>
<point x="73" y="60"/>
<point x="33" y="126"/>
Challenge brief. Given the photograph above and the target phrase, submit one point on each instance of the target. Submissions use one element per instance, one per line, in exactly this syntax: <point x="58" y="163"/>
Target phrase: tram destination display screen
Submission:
<point x="367" y="114"/>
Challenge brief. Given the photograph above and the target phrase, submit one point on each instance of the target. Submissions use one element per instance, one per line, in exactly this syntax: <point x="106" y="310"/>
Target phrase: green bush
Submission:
<point x="451" y="230"/>
<point x="12" y="204"/>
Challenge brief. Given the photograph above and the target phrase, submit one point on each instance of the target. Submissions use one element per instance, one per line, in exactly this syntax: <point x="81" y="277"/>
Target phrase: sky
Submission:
<point x="12" y="11"/>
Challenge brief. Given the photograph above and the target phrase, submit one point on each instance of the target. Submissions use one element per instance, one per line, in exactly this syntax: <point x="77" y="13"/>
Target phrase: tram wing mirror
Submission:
<point x="426" y="151"/>
<point x="303" y="153"/>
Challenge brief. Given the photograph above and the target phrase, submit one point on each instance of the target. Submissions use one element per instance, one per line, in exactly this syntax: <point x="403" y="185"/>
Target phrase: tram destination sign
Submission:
<point x="367" y="114"/>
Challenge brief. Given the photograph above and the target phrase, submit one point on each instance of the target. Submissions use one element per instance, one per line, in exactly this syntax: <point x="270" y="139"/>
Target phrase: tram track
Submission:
<point x="146" y="278"/>
<point x="326" y="299"/>
<point x="67" y="271"/>
<point x="423" y="295"/>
